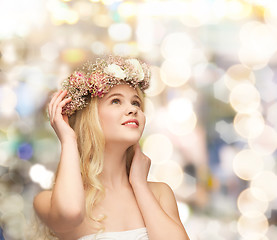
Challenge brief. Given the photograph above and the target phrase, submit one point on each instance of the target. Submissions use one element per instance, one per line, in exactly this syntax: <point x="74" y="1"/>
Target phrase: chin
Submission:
<point x="130" y="142"/>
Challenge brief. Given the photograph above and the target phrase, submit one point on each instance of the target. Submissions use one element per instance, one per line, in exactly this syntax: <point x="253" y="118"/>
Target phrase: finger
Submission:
<point x="56" y="102"/>
<point x="52" y="104"/>
<point x="62" y="104"/>
<point x="53" y="99"/>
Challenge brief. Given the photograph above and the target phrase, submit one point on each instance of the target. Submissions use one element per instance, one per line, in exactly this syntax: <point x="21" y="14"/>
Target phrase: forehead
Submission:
<point x="124" y="89"/>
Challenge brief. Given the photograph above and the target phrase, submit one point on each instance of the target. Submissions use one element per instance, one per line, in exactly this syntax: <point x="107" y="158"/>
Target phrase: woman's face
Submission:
<point x="121" y="115"/>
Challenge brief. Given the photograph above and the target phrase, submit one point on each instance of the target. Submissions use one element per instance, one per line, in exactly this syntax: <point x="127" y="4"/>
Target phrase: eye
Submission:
<point x="136" y="103"/>
<point x="115" y="101"/>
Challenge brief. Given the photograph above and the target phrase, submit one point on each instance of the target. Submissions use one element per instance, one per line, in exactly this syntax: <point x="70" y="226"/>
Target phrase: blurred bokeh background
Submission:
<point x="211" y="108"/>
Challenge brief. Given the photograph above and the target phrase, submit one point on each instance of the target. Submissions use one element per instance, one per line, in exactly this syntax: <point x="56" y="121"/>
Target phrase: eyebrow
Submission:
<point x="121" y="95"/>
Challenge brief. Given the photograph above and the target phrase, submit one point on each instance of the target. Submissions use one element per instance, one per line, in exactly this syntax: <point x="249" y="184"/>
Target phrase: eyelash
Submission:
<point x="115" y="100"/>
<point x="135" y="103"/>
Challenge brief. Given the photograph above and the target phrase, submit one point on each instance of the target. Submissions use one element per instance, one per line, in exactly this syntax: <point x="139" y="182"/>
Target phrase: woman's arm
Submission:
<point x="161" y="217"/>
<point x="63" y="208"/>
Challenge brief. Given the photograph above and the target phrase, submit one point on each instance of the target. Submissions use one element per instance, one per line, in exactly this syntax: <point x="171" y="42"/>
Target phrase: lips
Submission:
<point x="131" y="122"/>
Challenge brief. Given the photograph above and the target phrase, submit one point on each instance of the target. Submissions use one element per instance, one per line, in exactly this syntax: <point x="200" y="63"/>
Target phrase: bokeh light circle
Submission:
<point x="252" y="226"/>
<point x="238" y="74"/>
<point x="158" y="148"/>
<point x="120" y="31"/>
<point x="175" y="73"/>
<point x="247" y="202"/>
<point x="267" y="182"/>
<point x="157" y="85"/>
<point x="249" y="125"/>
<point x="15" y="225"/>
<point x="169" y="172"/>
<point x="12" y="203"/>
<point x="258" y="44"/>
<point x="266" y="142"/>
<point x="181" y="117"/>
<point x="39" y="174"/>
<point x="8" y="100"/>
<point x="245" y="98"/>
<point x="177" y="45"/>
<point x="247" y="164"/>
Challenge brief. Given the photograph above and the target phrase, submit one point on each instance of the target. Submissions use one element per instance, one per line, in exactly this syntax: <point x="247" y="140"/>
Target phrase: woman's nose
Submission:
<point x="131" y="110"/>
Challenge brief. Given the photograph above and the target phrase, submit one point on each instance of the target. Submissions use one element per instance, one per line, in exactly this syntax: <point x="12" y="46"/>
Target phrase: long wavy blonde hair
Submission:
<point x="91" y="144"/>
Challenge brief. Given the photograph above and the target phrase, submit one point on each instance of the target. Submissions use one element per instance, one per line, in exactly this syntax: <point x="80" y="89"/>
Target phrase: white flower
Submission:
<point x="115" y="71"/>
<point x="137" y="67"/>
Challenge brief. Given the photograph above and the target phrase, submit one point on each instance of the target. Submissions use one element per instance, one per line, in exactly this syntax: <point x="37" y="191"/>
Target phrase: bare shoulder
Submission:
<point x="42" y="196"/>
<point x="41" y="204"/>
<point x="166" y="198"/>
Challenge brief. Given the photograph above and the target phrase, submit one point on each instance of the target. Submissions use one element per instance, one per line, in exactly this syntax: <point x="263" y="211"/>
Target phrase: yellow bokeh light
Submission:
<point x="127" y="9"/>
<point x="237" y="10"/>
<point x="245" y="98"/>
<point x="267" y="182"/>
<point x="252" y="225"/>
<point x="266" y="142"/>
<point x="258" y="2"/>
<point x="73" y="55"/>
<point x="107" y="2"/>
<point x="238" y="74"/>
<point x="249" y="125"/>
<point x="247" y="164"/>
<point x="61" y="13"/>
<point x="72" y="17"/>
<point x="102" y="20"/>
<point x="169" y="172"/>
<point x="174" y="73"/>
<point x="247" y="202"/>
<point x="158" y="148"/>
<point x="270" y="13"/>
<point x="157" y="85"/>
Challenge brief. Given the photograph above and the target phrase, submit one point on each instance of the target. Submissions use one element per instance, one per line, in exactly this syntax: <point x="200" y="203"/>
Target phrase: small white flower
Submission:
<point x="137" y="67"/>
<point x="115" y="71"/>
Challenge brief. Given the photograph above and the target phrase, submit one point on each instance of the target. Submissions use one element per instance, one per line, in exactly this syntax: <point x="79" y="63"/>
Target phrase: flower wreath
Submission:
<point x="96" y="79"/>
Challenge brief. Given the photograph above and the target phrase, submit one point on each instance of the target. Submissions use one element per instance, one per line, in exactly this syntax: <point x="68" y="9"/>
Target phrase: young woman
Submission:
<point x="101" y="189"/>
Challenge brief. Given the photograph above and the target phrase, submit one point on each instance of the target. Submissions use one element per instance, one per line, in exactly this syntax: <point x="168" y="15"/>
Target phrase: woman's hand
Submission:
<point x="139" y="168"/>
<point x="58" y="121"/>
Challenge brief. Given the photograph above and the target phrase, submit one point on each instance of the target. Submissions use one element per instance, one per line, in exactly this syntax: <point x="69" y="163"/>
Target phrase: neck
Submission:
<point x="114" y="174"/>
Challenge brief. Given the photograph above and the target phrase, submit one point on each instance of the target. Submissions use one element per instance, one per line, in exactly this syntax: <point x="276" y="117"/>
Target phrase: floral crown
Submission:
<point x="97" y="79"/>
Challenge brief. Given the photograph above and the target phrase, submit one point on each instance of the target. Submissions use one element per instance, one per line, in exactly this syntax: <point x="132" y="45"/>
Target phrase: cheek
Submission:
<point x="108" y="121"/>
<point x="104" y="118"/>
<point x="143" y="120"/>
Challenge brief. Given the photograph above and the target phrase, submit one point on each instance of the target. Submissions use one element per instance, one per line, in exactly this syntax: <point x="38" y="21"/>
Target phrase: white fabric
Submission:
<point x="136" y="234"/>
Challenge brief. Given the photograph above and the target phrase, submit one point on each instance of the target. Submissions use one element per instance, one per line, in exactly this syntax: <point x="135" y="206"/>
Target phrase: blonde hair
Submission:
<point x="91" y="144"/>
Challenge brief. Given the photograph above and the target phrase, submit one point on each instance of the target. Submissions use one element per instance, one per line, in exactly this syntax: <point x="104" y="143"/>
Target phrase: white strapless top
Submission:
<point x="136" y="234"/>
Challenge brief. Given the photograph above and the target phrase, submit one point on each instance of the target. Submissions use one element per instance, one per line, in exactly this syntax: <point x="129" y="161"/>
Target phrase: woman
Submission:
<point x="101" y="189"/>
